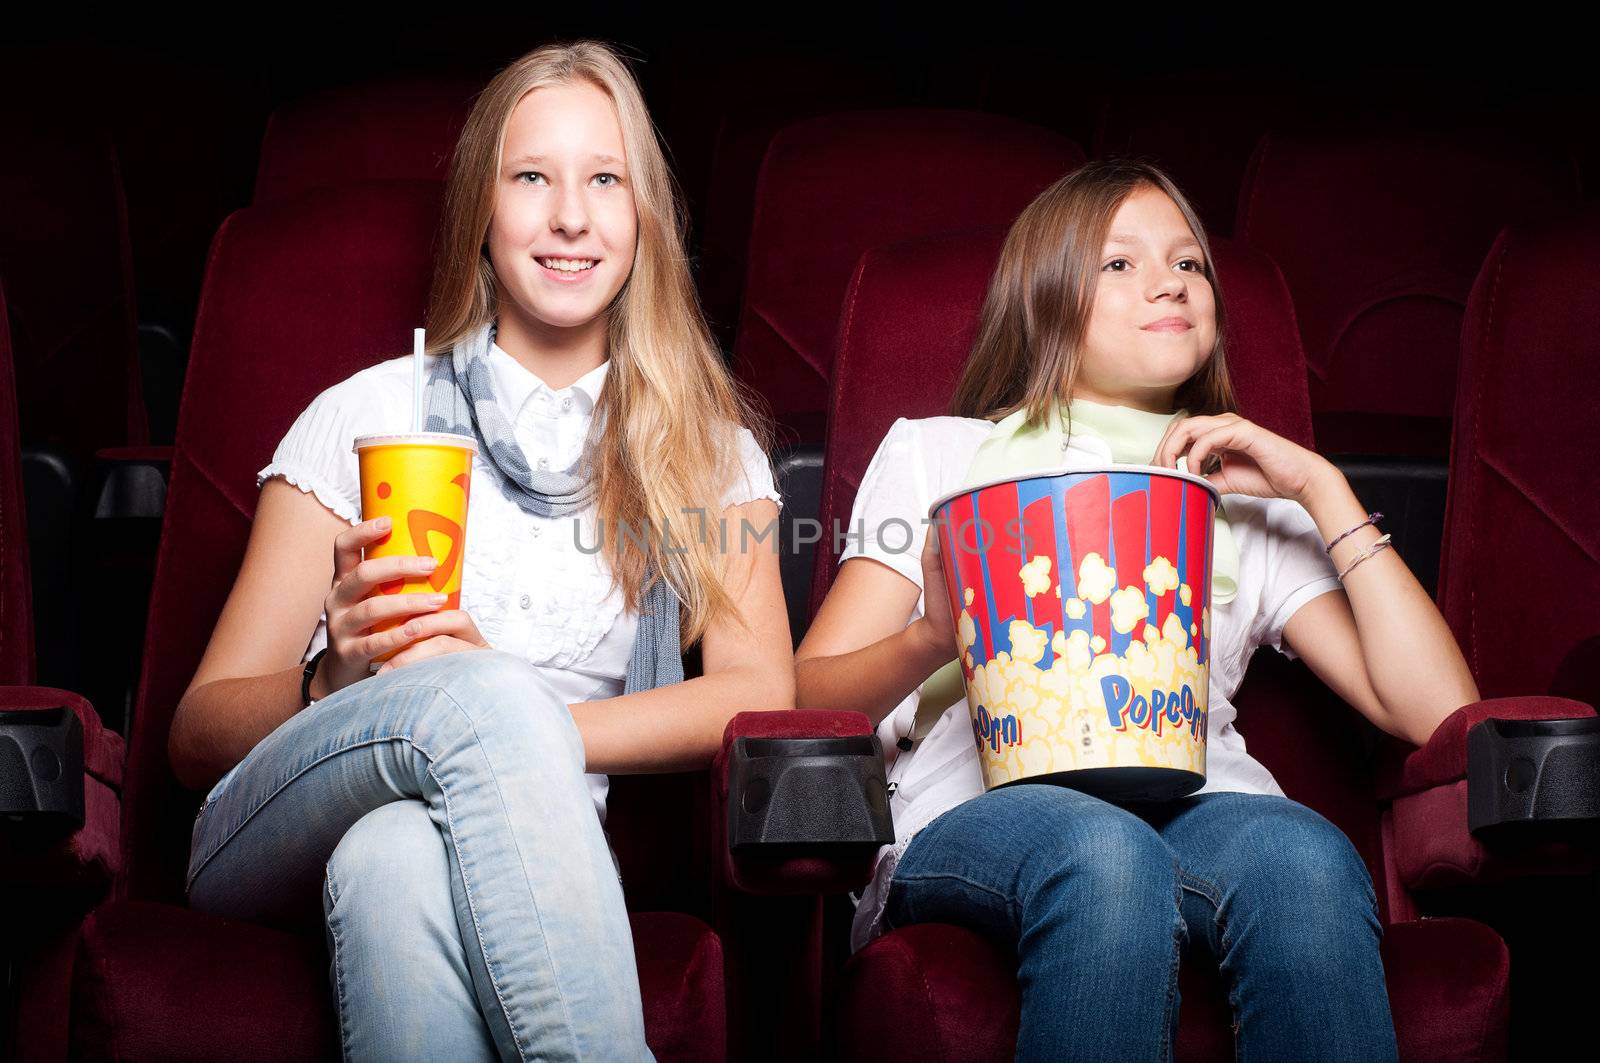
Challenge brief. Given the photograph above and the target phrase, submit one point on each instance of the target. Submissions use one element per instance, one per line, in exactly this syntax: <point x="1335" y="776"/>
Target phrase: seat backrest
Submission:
<point x="829" y="189"/>
<point x="914" y="315"/>
<point x="719" y="139"/>
<point x="1522" y="521"/>
<point x="67" y="268"/>
<point x="1154" y="120"/>
<point x="16" y="590"/>
<point x="375" y="131"/>
<point x="1379" y="234"/>
<point x="299" y="294"/>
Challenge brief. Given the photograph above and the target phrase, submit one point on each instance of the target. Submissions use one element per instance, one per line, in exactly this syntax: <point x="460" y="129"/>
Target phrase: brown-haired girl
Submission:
<point x="1103" y="326"/>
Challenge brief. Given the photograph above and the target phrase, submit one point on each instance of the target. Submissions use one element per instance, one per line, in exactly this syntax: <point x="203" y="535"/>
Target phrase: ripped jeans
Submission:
<point x="1100" y="901"/>
<point x="470" y="902"/>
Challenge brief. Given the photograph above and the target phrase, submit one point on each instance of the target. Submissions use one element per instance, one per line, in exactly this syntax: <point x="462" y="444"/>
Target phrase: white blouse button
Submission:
<point x="525" y="601"/>
<point x="566" y="403"/>
<point x="544" y="463"/>
<point x="536" y="529"/>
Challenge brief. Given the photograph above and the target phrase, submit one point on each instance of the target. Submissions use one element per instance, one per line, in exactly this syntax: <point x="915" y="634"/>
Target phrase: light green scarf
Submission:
<point x="1128" y="437"/>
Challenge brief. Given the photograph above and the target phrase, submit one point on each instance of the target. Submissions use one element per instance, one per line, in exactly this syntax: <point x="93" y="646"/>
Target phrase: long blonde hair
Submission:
<point x="669" y="408"/>
<point x="1029" y="347"/>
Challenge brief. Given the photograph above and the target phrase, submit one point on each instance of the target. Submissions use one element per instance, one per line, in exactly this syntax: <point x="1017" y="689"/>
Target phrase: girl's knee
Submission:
<point x="1105" y="851"/>
<point x="1310" y="872"/>
<point x="392" y="856"/>
<point x="495" y="689"/>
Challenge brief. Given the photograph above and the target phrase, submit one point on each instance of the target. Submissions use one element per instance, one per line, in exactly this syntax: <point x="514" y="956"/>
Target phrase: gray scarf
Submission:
<point x="460" y="400"/>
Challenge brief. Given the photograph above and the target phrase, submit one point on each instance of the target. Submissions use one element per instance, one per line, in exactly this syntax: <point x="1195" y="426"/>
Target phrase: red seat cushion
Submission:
<point x="936" y="991"/>
<point x="145" y="971"/>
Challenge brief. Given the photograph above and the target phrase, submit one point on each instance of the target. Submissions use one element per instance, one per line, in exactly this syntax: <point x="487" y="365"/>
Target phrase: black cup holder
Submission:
<point x="41" y="776"/>
<point x="1534" y="780"/>
<point x="807" y="797"/>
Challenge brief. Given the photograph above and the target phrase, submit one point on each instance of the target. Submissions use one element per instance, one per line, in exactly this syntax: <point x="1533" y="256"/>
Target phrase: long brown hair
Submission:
<point x="1029" y="347"/>
<point x="669" y="407"/>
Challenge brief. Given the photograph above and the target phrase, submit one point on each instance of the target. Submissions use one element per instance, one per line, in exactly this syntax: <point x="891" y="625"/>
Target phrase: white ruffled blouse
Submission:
<point x="525" y="581"/>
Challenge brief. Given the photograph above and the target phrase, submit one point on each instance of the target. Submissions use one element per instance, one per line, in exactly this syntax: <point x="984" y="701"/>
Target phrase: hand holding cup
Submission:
<point x="354" y="607"/>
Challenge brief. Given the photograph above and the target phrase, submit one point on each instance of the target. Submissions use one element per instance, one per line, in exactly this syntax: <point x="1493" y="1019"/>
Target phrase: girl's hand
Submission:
<point x="452" y="631"/>
<point x="936" y="626"/>
<point x="1249" y="459"/>
<point x="353" y="607"/>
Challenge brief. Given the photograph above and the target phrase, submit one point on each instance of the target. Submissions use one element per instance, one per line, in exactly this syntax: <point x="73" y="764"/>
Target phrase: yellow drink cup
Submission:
<point x="421" y="482"/>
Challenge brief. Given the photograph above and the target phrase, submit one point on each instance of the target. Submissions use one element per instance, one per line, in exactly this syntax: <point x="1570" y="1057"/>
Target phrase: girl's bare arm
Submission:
<point x="1381" y="643"/>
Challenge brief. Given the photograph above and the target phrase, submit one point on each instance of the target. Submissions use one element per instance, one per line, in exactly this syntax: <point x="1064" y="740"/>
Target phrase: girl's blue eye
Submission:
<point x="611" y="179"/>
<point x="529" y="173"/>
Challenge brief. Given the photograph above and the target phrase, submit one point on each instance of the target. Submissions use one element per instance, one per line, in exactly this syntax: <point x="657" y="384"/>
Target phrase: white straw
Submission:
<point x="418" y="341"/>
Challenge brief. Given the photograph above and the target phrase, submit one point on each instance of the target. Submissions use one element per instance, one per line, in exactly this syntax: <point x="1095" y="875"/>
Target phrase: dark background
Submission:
<point x="186" y="101"/>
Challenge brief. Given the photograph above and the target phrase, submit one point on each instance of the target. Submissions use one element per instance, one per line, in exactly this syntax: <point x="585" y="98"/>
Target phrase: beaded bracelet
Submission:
<point x="1380" y="543"/>
<point x="1372" y="518"/>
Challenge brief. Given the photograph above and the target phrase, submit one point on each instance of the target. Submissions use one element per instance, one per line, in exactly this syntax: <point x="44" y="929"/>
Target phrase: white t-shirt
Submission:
<point x="1282" y="565"/>
<point x="525" y="581"/>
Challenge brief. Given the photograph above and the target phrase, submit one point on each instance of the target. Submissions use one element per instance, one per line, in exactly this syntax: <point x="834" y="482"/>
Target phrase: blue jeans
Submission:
<point x="1099" y="901"/>
<point x="469" y="899"/>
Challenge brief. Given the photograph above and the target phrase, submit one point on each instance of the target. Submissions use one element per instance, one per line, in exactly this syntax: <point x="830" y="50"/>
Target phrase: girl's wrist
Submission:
<point x="1326" y="485"/>
<point x="932" y="650"/>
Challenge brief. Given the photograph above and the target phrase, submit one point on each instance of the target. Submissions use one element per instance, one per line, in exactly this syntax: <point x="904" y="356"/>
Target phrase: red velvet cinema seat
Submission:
<point x="1155" y="120"/>
<point x="916" y="308"/>
<point x="832" y="187"/>
<point x="1521" y="563"/>
<point x="1379" y="234"/>
<point x="300" y="293"/>
<point x="48" y="882"/>
<point x="1522" y="467"/>
<point x="375" y="131"/>
<point x="718" y="139"/>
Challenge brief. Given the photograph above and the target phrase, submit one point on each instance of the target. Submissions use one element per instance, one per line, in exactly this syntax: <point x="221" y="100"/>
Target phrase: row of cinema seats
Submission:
<point x="731" y="949"/>
<point x="1378" y="232"/>
<point x="1378" y="229"/>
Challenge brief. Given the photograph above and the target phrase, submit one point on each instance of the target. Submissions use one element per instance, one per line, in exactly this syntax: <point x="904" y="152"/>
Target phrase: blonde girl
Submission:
<point x="448" y="808"/>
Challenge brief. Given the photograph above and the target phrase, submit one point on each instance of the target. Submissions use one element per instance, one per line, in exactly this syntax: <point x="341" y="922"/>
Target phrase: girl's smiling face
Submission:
<point x="564" y="227"/>
<point x="1152" y="324"/>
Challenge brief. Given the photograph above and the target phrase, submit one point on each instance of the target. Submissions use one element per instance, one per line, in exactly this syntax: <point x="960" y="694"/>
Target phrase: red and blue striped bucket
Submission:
<point x="1082" y="603"/>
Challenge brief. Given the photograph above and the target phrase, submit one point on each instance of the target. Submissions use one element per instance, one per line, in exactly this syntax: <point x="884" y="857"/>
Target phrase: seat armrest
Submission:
<point x="47" y="849"/>
<point x="1428" y="838"/>
<point x="1443" y="759"/>
<point x="793" y="869"/>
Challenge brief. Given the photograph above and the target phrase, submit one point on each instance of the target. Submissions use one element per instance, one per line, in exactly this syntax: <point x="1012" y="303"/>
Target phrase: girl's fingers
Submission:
<point x="437" y="646"/>
<point x="381" y="607"/>
<point x="1181" y="433"/>
<point x="347" y="544"/>
<point x="454" y="622"/>
<point x="1229" y="436"/>
<point x="370" y="646"/>
<point x="365" y="577"/>
<point x="1159" y="457"/>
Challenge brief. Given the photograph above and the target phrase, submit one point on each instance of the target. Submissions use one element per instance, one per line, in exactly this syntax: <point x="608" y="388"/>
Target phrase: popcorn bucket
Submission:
<point x="1082" y="605"/>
